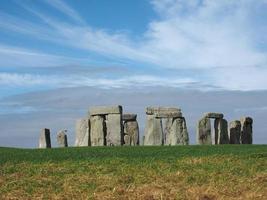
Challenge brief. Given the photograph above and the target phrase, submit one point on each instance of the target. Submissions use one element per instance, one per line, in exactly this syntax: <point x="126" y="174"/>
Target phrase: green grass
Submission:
<point x="178" y="172"/>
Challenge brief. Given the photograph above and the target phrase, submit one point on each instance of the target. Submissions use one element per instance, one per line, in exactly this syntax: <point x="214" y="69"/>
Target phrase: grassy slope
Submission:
<point x="181" y="172"/>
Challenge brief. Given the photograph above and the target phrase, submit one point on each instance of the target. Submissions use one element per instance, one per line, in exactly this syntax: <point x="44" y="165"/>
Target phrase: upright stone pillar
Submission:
<point x="44" y="140"/>
<point x="153" y="131"/>
<point x="246" y="130"/>
<point x="82" y="130"/>
<point x="62" y="140"/>
<point x="223" y="137"/>
<point x="167" y="131"/>
<point x="178" y="134"/>
<point x="216" y="130"/>
<point x="235" y="132"/>
<point x="97" y="131"/>
<point x="204" y="131"/>
<point x="114" y="130"/>
<point x="131" y="130"/>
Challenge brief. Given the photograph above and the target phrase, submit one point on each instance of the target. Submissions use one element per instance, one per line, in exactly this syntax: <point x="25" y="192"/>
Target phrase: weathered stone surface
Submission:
<point x="132" y="130"/>
<point x="82" y="130"/>
<point x="127" y="140"/>
<point x="164" y="112"/>
<point x="114" y="130"/>
<point x="167" y="130"/>
<point x="223" y="137"/>
<point x="204" y="131"/>
<point x="235" y="132"/>
<point x="129" y="117"/>
<point x="62" y="140"/>
<point x="97" y="131"/>
<point x="216" y="130"/>
<point x="153" y="131"/>
<point x="178" y="134"/>
<point x="105" y="110"/>
<point x="246" y="130"/>
<point x="44" y="140"/>
<point x="213" y="115"/>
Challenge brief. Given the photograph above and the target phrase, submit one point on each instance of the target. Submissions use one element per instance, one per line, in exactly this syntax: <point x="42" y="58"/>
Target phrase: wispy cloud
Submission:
<point x="215" y="35"/>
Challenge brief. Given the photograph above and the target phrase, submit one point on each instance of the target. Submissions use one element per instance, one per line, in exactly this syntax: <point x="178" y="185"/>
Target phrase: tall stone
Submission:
<point x="204" y="131"/>
<point x="97" y="131"/>
<point x="114" y="130"/>
<point x="223" y="137"/>
<point x="167" y="131"/>
<point x="246" y="130"/>
<point x="82" y="130"/>
<point x="235" y="132"/>
<point x="131" y="130"/>
<point x="62" y="140"/>
<point x="178" y="134"/>
<point x="153" y="131"/>
<point x="44" y="140"/>
<point x="216" y="130"/>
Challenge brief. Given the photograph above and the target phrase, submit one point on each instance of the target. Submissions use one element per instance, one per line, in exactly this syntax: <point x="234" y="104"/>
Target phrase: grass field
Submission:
<point x="180" y="172"/>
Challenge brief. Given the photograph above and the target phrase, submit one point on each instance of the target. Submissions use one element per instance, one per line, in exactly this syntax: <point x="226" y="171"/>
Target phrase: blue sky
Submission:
<point x="201" y="44"/>
<point x="53" y="47"/>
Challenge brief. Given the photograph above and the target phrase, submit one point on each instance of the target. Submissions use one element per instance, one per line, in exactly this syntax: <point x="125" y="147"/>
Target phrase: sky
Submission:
<point x="59" y="57"/>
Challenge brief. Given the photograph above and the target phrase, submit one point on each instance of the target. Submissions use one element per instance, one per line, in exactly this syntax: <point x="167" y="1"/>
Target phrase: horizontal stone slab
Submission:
<point x="105" y="110"/>
<point x="164" y="112"/>
<point x="246" y="119"/>
<point x="129" y="117"/>
<point x="213" y="115"/>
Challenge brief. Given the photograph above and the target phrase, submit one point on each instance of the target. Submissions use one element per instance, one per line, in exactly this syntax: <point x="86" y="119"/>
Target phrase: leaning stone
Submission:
<point x="204" y="131"/>
<point x="129" y="117"/>
<point x="62" y="140"/>
<point x="178" y="134"/>
<point x="223" y="137"/>
<point x="97" y="131"/>
<point x="235" y="132"/>
<point x="132" y="130"/>
<point x="246" y="130"/>
<point x="82" y="130"/>
<point x="44" y="140"/>
<point x="105" y="110"/>
<point x="114" y="130"/>
<point x="213" y="115"/>
<point x="164" y="112"/>
<point x="153" y="131"/>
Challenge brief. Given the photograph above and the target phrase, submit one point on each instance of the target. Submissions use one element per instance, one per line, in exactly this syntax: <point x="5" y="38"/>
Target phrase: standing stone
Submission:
<point x="131" y="129"/>
<point x="216" y="130"/>
<point x="178" y="134"/>
<point x="97" y="131"/>
<point x="167" y="130"/>
<point x="246" y="130"/>
<point x="127" y="140"/>
<point x="204" y="131"/>
<point x="62" y="140"/>
<point x="153" y="131"/>
<point x="114" y="130"/>
<point x="44" y="140"/>
<point x="235" y="132"/>
<point x="82" y="130"/>
<point x="223" y="137"/>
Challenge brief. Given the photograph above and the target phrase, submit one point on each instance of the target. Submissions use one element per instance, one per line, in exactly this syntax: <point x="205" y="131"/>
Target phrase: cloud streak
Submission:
<point x="217" y="37"/>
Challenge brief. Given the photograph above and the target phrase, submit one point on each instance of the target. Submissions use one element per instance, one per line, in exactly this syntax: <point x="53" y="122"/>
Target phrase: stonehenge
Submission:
<point x="220" y="129"/>
<point x="175" y="132"/>
<point x="44" y="140"/>
<point x="109" y="126"/>
<point x="62" y="140"/>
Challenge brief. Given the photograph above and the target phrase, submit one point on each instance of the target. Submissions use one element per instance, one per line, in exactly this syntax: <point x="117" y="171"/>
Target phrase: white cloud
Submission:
<point x="15" y="79"/>
<point x="193" y="34"/>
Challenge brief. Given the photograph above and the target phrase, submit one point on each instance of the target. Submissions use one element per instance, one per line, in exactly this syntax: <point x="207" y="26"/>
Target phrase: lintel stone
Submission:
<point x="164" y="112"/>
<point x="105" y="110"/>
<point x="129" y="117"/>
<point x="213" y="115"/>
